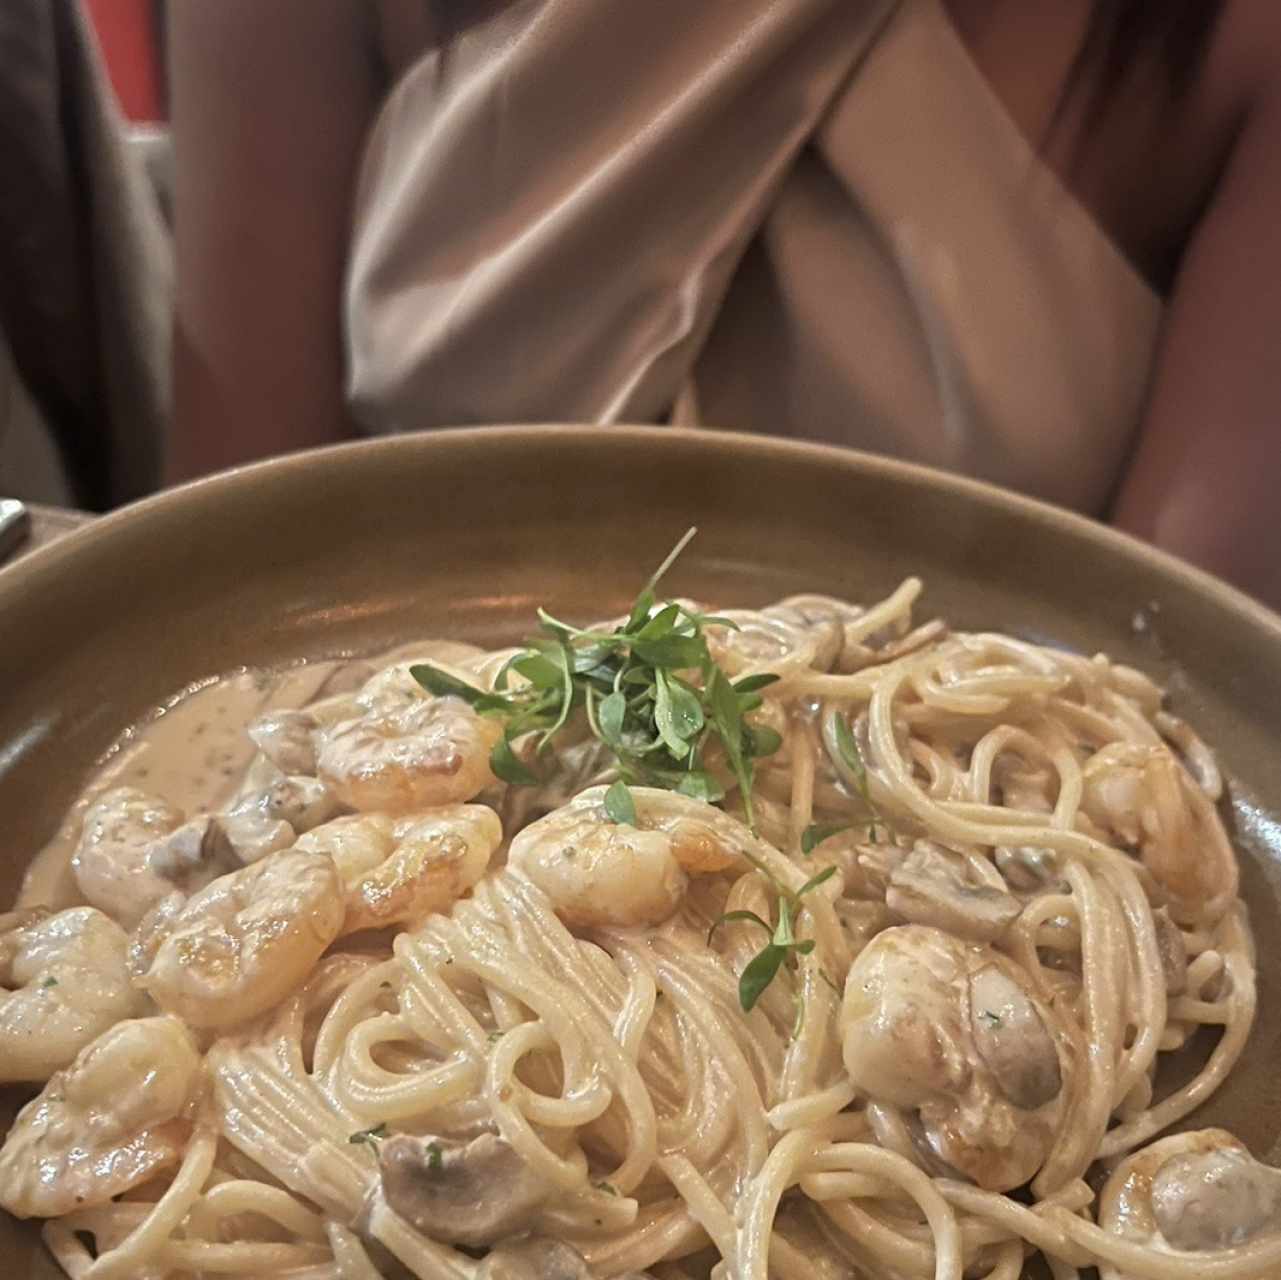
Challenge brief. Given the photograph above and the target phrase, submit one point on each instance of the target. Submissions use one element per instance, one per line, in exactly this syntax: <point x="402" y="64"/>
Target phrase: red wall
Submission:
<point x="129" y="42"/>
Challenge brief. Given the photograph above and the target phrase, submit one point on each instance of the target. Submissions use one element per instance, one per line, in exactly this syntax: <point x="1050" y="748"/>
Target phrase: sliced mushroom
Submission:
<point x="271" y="816"/>
<point x="1215" y="1199"/>
<point x="1013" y="1040"/>
<point x="1174" y="952"/>
<point x="301" y="801"/>
<point x="877" y="864"/>
<point x="1028" y="868"/>
<point x="986" y="1101"/>
<point x="190" y="856"/>
<point x="284" y="737"/>
<point x="939" y="887"/>
<point x="250" y="837"/>
<point x="470" y="1194"/>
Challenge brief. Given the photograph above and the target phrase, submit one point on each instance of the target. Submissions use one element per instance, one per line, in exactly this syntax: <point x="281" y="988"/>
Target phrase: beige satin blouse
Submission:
<point x="803" y="217"/>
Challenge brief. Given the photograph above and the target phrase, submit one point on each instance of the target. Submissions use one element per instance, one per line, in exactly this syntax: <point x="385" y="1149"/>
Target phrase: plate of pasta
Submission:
<point x="562" y="853"/>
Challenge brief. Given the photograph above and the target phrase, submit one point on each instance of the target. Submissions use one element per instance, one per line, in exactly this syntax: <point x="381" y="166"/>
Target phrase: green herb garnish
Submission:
<point x="992" y="1019"/>
<point x="852" y="758"/>
<point x="435" y="1156"/>
<point x="763" y="967"/>
<point x="619" y="804"/>
<point x="815" y="834"/>
<point x="48" y="982"/>
<point x="371" y="1136"/>
<point x="650" y="691"/>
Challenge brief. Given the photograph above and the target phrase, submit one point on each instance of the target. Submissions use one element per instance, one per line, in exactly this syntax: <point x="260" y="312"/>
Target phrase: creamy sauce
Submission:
<point x="195" y="751"/>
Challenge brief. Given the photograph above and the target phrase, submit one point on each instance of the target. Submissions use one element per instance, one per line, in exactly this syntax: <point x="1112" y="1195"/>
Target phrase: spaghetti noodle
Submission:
<point x="539" y="1064"/>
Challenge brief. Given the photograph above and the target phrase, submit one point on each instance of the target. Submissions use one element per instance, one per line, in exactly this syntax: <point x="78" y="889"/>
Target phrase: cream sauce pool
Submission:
<point x="195" y="750"/>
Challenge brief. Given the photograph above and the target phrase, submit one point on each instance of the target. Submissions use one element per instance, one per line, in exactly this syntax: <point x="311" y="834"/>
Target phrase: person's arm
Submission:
<point x="271" y="104"/>
<point x="1205" y="481"/>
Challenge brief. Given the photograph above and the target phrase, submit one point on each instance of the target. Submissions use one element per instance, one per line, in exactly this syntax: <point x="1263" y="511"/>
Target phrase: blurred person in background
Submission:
<point x="1030" y="240"/>
<point x="85" y="274"/>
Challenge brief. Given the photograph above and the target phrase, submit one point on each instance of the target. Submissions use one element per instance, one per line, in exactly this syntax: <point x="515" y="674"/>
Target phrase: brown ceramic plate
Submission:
<point x="464" y="533"/>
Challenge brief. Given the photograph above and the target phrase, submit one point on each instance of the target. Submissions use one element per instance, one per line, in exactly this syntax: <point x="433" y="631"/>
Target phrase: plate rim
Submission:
<point x="26" y="572"/>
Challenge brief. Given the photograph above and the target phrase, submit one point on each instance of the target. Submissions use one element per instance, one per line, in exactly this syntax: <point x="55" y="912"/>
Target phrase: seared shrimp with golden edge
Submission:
<point x="236" y="948"/>
<point x="1144" y="799"/>
<point x="407" y="753"/>
<point x="398" y="870"/>
<point x="600" y="872"/>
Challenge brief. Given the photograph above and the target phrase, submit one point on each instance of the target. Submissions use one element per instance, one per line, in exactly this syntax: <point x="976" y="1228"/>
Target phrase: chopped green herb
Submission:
<point x="371" y="1136"/>
<point x="815" y="834"/>
<point x="753" y="684"/>
<point x="49" y="982"/>
<point x="435" y="1156"/>
<point x="509" y="767"/>
<point x="992" y="1019"/>
<point x="730" y="916"/>
<point x="759" y="973"/>
<point x="814" y="881"/>
<point x="443" y="685"/>
<point x="619" y="804"/>
<point x="611" y="715"/>
<point x="607" y="1187"/>
<point x="761" y="740"/>
<point x="852" y="758"/>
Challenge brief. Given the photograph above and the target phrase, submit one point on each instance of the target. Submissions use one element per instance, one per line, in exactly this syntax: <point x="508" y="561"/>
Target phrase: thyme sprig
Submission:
<point x="783" y="943"/>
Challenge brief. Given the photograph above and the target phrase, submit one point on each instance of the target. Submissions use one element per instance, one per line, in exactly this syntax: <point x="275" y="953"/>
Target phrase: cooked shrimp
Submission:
<point x="136" y="849"/>
<point x="106" y="1123"/>
<point x="598" y="872"/>
<point x="1145" y="799"/>
<point x="1193" y="1193"/>
<point x="950" y="1031"/>
<point x="237" y="947"/>
<point x="68" y="982"/>
<point x="400" y="870"/>
<point x="402" y="758"/>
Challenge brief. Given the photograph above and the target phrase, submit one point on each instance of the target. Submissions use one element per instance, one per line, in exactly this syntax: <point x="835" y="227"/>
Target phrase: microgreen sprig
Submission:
<point x="649" y="689"/>
<point x="763" y="967"/>
<point x="849" y="760"/>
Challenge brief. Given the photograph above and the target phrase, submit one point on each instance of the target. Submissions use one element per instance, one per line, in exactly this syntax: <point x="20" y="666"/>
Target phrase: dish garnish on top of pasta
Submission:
<point x="792" y="942"/>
